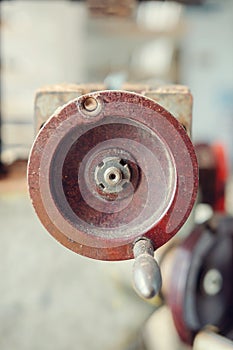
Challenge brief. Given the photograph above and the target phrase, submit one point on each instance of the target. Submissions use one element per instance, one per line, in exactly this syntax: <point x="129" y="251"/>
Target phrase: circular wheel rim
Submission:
<point x="126" y="106"/>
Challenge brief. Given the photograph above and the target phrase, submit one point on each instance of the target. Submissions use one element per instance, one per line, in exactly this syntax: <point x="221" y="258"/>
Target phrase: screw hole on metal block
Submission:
<point x="90" y="104"/>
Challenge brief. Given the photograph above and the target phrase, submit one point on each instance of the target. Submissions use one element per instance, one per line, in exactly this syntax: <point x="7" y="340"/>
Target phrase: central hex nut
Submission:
<point x="112" y="174"/>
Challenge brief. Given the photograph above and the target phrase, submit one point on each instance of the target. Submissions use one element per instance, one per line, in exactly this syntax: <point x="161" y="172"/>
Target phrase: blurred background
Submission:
<point x="49" y="297"/>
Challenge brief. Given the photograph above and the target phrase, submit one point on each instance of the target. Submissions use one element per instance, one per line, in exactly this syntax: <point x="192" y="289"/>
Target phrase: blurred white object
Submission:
<point x="159" y="16"/>
<point x="154" y="58"/>
<point x="209" y="340"/>
<point x="160" y="333"/>
<point x="41" y="43"/>
<point x="203" y="212"/>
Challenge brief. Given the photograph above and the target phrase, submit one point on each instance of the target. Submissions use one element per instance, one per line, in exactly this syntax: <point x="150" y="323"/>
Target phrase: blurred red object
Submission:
<point x="213" y="174"/>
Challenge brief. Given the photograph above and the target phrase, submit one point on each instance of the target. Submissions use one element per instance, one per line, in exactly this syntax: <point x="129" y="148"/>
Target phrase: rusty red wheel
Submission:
<point x="108" y="168"/>
<point x="200" y="289"/>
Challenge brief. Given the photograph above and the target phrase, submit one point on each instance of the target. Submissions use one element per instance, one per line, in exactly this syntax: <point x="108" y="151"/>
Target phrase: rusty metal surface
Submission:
<point x="70" y="146"/>
<point x="51" y="97"/>
<point x="138" y="88"/>
<point x="177" y="99"/>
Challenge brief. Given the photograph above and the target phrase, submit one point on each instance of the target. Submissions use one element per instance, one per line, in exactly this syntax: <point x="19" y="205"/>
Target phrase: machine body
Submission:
<point x="109" y="168"/>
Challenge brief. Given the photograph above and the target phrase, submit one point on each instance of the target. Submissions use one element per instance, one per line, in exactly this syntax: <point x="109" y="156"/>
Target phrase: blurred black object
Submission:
<point x="201" y="284"/>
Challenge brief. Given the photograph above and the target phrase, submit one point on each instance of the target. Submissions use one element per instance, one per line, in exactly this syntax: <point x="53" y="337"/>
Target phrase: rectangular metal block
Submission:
<point x="177" y="99"/>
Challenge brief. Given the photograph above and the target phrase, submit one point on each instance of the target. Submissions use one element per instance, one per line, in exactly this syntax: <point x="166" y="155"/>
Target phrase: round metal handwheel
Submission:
<point x="111" y="167"/>
<point x="201" y="288"/>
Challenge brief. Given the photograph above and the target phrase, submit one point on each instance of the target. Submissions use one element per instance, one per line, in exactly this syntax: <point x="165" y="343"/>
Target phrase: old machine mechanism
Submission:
<point x="113" y="174"/>
<point x="198" y="289"/>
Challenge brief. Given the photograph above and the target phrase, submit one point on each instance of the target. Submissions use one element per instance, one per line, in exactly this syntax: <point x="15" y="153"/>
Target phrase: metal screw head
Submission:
<point x="212" y="282"/>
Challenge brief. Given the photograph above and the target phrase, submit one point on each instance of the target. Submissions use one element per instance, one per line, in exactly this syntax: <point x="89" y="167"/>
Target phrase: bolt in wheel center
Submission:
<point x="112" y="175"/>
